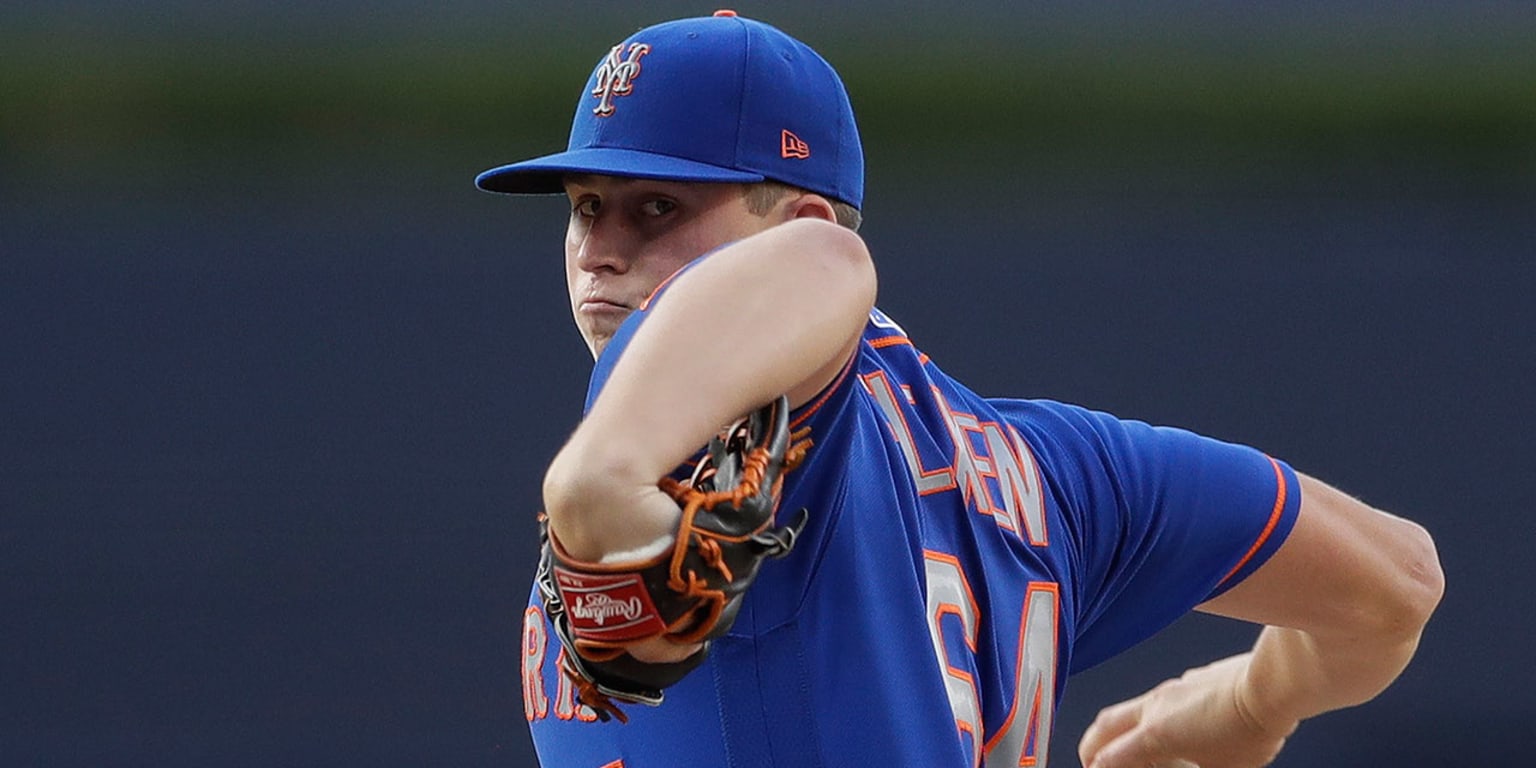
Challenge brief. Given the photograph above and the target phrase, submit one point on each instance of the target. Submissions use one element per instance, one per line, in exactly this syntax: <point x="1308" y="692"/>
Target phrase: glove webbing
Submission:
<point x="707" y="543"/>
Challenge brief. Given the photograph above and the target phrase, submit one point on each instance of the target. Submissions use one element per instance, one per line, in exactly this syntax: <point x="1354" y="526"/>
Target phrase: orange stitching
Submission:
<point x="714" y="557"/>
<point x="697" y="622"/>
<point x="587" y="692"/>
<point x="680" y="547"/>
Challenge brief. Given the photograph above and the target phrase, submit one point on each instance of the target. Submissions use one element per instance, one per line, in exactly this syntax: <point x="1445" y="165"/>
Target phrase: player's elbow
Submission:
<point x="1413" y="588"/>
<point x="837" y="258"/>
<point x="847" y="264"/>
<point x="1424" y="579"/>
<point x="831" y="291"/>
<point x="1381" y="572"/>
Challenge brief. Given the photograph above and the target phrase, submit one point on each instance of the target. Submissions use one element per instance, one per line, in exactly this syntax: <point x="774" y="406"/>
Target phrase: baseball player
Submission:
<point x="871" y="564"/>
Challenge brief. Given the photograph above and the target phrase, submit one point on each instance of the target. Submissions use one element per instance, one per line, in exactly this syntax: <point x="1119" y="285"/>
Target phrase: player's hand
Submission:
<point x="659" y="650"/>
<point x="638" y="536"/>
<point x="639" y="617"/>
<point x="1198" y="719"/>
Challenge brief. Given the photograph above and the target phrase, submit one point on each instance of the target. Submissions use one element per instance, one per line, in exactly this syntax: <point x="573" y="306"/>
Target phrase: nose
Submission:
<point x="603" y="244"/>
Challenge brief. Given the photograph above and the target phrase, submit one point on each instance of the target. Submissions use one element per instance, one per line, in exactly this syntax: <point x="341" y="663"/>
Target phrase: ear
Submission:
<point x="809" y="206"/>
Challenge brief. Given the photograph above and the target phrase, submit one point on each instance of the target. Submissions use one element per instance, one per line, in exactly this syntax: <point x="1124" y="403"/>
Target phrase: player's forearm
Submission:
<point x="1345" y="600"/>
<point x="756" y="319"/>
<point x="1367" y="641"/>
<point x="778" y="312"/>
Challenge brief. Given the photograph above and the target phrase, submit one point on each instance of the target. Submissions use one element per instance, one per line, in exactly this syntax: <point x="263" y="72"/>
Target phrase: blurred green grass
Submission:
<point x="113" y="105"/>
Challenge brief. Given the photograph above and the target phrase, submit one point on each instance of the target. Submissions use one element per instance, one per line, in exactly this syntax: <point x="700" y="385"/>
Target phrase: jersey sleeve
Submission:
<point x="1162" y="519"/>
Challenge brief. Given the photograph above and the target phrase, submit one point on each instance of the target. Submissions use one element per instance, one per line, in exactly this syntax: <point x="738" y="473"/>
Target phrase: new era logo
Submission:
<point x="790" y="146"/>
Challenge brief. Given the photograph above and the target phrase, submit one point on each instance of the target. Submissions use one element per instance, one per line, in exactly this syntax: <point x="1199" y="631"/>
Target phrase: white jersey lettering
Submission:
<point x="1025" y="737"/>
<point x="950" y="594"/>
<point x="1018" y="480"/>
<point x="1018" y="504"/>
<point x="566" y="705"/>
<point x="535" y="646"/>
<point x="881" y="320"/>
<point x="927" y="481"/>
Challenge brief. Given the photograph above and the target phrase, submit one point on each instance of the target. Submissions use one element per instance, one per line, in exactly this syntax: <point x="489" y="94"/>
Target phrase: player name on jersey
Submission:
<point x="994" y="469"/>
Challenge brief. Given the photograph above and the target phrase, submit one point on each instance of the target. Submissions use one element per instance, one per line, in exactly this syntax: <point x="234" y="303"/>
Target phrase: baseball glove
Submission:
<point x="688" y="594"/>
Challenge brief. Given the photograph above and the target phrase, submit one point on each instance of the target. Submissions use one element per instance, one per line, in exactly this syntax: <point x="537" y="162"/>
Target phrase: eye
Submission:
<point x="658" y="207"/>
<point x="586" y="207"/>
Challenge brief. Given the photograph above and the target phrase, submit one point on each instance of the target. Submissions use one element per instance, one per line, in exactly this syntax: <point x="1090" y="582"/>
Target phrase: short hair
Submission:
<point x="763" y="195"/>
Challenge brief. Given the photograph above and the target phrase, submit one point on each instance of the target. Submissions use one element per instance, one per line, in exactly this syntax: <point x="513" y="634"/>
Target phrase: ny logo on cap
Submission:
<point x="616" y="76"/>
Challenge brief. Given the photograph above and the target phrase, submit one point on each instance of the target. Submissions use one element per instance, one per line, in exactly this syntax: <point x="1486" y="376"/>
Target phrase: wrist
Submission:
<point x="1263" y="706"/>
<point x="602" y="511"/>
<point x="1266" y="695"/>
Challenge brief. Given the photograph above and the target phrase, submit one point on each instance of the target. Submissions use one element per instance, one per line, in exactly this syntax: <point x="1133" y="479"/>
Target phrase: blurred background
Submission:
<point x="277" y="384"/>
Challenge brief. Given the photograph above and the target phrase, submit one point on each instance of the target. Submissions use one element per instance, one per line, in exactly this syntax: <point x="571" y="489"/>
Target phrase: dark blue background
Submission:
<point x="271" y="434"/>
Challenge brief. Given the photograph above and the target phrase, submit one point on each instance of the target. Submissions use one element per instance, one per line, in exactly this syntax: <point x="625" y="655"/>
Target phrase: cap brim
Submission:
<point x="543" y="175"/>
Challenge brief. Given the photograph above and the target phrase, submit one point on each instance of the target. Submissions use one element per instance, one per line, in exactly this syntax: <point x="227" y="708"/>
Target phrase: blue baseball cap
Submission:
<point x="719" y="99"/>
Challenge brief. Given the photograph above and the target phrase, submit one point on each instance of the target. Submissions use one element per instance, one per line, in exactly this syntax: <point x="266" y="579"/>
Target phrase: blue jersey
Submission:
<point x="963" y="556"/>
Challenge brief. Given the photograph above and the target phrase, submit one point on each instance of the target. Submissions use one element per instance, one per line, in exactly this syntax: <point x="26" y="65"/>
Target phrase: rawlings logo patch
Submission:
<point x="608" y="608"/>
<point x="616" y="76"/>
<point x="601" y="607"/>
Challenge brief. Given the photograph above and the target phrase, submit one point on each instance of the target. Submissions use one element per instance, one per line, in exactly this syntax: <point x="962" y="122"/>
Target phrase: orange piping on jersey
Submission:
<point x="892" y="341"/>
<point x="657" y="289"/>
<point x="619" y="763"/>
<point x="806" y="411"/>
<point x="1274" y="519"/>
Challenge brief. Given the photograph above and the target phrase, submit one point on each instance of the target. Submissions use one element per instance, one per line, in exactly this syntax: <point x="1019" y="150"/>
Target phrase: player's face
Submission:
<point x="628" y="235"/>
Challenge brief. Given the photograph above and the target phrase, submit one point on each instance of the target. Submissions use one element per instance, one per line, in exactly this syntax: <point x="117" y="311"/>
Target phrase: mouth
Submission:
<point x="601" y="315"/>
<point x="602" y="306"/>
